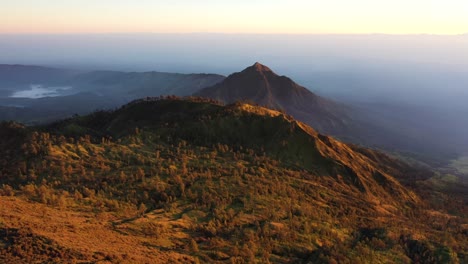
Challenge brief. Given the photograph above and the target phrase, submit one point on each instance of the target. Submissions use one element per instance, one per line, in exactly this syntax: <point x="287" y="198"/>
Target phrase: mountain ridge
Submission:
<point x="261" y="85"/>
<point x="192" y="180"/>
<point x="337" y="158"/>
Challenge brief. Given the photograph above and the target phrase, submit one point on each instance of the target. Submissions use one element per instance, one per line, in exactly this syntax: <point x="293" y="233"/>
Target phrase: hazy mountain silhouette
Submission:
<point x="18" y="77"/>
<point x="141" y="84"/>
<point x="89" y="90"/>
<point x="259" y="84"/>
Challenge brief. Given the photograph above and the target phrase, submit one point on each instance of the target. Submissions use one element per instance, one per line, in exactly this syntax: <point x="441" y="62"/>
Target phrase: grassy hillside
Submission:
<point x="192" y="181"/>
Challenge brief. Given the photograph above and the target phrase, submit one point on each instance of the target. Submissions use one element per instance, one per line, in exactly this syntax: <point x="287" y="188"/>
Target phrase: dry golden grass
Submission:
<point x="259" y="110"/>
<point x="84" y="233"/>
<point x="265" y="189"/>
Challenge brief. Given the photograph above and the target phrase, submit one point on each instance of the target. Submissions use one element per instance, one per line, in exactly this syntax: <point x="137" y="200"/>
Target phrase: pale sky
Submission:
<point x="237" y="16"/>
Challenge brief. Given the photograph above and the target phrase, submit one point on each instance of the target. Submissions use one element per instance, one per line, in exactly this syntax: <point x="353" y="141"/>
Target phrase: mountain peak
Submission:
<point x="261" y="85"/>
<point x="258" y="67"/>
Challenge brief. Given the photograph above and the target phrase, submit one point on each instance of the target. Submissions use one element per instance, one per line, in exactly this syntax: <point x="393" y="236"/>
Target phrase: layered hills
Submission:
<point x="192" y="180"/>
<point x="14" y="75"/>
<point x="59" y="93"/>
<point x="106" y="83"/>
<point x="142" y="84"/>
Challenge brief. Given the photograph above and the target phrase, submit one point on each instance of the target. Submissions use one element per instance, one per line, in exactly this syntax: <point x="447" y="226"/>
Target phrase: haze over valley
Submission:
<point x="424" y="76"/>
<point x="234" y="132"/>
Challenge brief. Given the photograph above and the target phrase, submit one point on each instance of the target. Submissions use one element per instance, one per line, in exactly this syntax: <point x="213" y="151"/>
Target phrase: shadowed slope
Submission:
<point x="261" y="85"/>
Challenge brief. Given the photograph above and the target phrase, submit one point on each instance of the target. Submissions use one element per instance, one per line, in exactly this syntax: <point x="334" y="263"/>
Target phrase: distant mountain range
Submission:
<point x="141" y="84"/>
<point x="90" y="91"/>
<point x="110" y="83"/>
<point x="15" y="75"/>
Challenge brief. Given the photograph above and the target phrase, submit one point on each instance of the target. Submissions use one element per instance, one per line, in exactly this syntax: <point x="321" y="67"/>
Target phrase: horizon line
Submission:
<point x="229" y="33"/>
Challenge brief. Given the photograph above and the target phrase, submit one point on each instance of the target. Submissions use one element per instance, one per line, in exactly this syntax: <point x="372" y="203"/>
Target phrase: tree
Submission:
<point x="193" y="246"/>
<point x="142" y="209"/>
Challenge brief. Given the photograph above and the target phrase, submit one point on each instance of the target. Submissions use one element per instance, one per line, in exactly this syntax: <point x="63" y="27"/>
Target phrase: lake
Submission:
<point x="36" y="91"/>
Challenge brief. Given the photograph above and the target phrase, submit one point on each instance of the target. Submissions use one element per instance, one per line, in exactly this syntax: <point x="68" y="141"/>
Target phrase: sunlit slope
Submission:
<point x="192" y="180"/>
